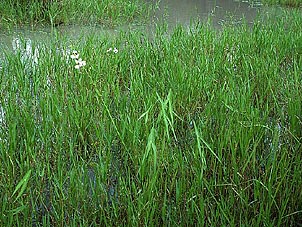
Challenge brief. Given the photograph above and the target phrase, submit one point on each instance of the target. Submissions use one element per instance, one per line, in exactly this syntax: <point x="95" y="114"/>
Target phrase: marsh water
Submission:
<point x="172" y="12"/>
<point x="219" y="11"/>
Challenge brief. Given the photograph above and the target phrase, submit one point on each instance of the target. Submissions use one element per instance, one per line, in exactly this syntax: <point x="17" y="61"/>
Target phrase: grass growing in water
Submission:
<point x="201" y="127"/>
<point x="289" y="3"/>
<point x="108" y="13"/>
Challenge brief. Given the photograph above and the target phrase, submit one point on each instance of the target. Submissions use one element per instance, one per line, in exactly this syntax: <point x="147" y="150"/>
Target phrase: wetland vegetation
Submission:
<point x="56" y="12"/>
<point x="194" y="127"/>
<point x="288" y="3"/>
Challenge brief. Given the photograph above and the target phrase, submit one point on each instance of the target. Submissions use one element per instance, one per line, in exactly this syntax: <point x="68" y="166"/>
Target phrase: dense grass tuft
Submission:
<point x="288" y="3"/>
<point x="57" y="12"/>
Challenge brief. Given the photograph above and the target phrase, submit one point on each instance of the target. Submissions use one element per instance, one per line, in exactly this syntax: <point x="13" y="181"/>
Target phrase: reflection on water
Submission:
<point x="22" y="39"/>
<point x="28" y="54"/>
<point x="182" y="12"/>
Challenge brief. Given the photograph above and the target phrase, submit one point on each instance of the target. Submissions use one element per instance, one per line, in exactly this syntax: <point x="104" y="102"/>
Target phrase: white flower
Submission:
<point x="74" y="55"/>
<point x="115" y="50"/>
<point x="79" y="63"/>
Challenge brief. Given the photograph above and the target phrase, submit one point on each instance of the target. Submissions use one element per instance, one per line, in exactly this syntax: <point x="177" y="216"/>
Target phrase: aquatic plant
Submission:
<point x="115" y="50"/>
<point x="79" y="63"/>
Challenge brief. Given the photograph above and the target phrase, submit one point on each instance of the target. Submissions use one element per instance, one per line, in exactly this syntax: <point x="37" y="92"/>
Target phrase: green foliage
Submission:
<point x="56" y="12"/>
<point x="289" y="3"/>
<point x="194" y="127"/>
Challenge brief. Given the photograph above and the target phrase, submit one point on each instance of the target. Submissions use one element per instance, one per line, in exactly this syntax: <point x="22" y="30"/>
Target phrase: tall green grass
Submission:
<point x="198" y="127"/>
<point x="289" y="3"/>
<point x="107" y="13"/>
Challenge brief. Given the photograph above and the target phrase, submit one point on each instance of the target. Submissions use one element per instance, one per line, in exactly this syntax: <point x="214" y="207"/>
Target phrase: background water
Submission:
<point x="178" y="11"/>
<point x="172" y="12"/>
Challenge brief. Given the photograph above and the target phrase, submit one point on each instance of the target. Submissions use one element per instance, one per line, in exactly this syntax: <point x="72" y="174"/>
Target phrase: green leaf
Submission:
<point x="17" y="210"/>
<point x="22" y="184"/>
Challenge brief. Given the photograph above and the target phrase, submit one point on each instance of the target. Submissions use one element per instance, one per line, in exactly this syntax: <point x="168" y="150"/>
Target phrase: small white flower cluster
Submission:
<point x="115" y="50"/>
<point x="79" y="62"/>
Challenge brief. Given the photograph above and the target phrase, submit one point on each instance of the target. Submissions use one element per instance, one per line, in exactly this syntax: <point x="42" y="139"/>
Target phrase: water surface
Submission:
<point x="183" y="12"/>
<point x="172" y="12"/>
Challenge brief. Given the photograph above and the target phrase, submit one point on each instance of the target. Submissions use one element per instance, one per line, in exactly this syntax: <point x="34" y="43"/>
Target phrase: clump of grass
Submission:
<point x="288" y="3"/>
<point x="107" y="13"/>
<point x="198" y="127"/>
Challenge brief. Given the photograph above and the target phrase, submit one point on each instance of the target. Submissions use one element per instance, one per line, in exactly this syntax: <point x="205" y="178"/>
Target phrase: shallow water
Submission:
<point x="183" y="12"/>
<point x="172" y="12"/>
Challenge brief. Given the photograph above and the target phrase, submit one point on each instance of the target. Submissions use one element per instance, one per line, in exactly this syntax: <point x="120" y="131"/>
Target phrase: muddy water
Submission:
<point x="219" y="11"/>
